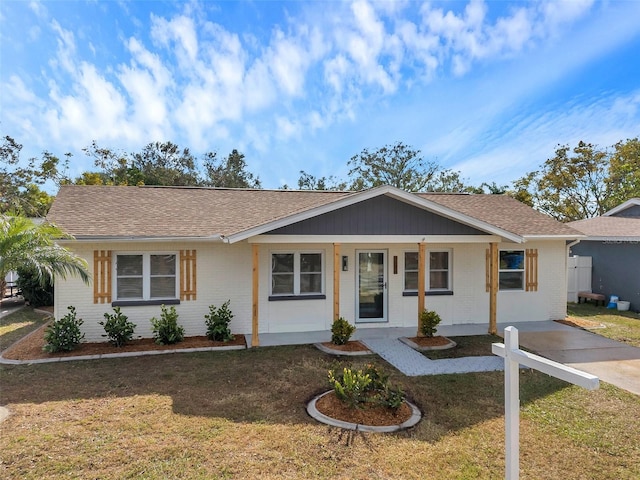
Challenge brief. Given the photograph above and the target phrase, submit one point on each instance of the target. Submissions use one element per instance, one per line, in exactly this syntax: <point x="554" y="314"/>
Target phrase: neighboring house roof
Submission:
<point x="623" y="206"/>
<point x="618" y="224"/>
<point x="88" y="212"/>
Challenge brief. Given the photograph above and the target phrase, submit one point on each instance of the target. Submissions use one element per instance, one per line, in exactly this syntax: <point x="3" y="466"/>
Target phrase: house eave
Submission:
<point x="373" y="239"/>
<point x="128" y="239"/>
<point x="553" y="237"/>
<point x="613" y="239"/>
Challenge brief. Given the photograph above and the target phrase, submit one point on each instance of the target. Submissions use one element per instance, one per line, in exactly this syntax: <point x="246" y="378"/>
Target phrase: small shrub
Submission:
<point x="357" y="388"/>
<point x="391" y="397"/>
<point x="341" y="331"/>
<point x="351" y="387"/>
<point x="118" y="327"/>
<point x="379" y="379"/>
<point x="429" y="321"/>
<point x="166" y="331"/>
<point x="63" y="335"/>
<point x="33" y="291"/>
<point x="217" y="321"/>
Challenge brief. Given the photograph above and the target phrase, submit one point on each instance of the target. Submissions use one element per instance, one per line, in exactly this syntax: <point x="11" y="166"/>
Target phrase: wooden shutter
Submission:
<point x="487" y="270"/>
<point x="531" y="269"/>
<point x="188" y="275"/>
<point x="102" y="276"/>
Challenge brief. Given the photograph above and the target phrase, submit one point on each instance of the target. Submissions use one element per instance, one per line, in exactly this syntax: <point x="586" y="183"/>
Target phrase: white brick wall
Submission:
<point x="225" y="272"/>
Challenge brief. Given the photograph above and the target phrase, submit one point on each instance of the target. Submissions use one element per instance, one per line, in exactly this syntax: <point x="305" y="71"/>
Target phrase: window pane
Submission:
<point x="411" y="260"/>
<point x="411" y="280"/>
<point x="310" y="283"/>
<point x="511" y="280"/>
<point x="439" y="260"/>
<point x="163" y="287"/>
<point x="282" y="284"/>
<point x="311" y="262"/>
<point x="163" y="264"/>
<point x="512" y="260"/>
<point x="438" y="280"/>
<point x="129" y="265"/>
<point x="282" y="262"/>
<point x="130" y="287"/>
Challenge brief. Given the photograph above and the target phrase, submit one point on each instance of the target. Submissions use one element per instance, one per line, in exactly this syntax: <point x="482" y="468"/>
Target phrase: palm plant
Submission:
<point x="24" y="244"/>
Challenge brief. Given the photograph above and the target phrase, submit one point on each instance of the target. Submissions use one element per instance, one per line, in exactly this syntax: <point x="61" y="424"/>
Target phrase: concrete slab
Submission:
<point x="613" y="362"/>
<point x="565" y="340"/>
<point x="624" y="374"/>
<point x="591" y="355"/>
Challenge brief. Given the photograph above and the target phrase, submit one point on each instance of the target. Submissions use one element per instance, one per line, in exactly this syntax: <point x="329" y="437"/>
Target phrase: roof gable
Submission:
<point x="630" y="208"/>
<point x="381" y="215"/>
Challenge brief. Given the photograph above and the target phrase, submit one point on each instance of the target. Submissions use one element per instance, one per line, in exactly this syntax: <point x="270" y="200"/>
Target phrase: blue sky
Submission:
<point x="486" y="88"/>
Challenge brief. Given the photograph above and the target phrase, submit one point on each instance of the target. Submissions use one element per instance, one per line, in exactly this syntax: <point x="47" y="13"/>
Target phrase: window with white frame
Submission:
<point x="438" y="275"/>
<point x="296" y="273"/>
<point x="146" y="276"/>
<point x="511" y="270"/>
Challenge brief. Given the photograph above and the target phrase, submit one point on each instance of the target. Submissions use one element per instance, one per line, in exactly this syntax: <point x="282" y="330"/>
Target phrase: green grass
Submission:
<point x="19" y="324"/>
<point x="621" y="326"/>
<point x="241" y="414"/>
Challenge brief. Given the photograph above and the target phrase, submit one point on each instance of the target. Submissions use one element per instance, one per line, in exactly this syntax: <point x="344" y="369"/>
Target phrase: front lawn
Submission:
<point x="621" y="326"/>
<point x="241" y="414"/>
<point x="19" y="324"/>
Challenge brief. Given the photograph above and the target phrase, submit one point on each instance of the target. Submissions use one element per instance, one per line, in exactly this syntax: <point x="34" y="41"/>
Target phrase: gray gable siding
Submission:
<point x="629" y="212"/>
<point x="378" y="216"/>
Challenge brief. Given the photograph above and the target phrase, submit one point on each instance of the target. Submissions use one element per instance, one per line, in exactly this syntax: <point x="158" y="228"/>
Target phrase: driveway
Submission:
<point x="612" y="361"/>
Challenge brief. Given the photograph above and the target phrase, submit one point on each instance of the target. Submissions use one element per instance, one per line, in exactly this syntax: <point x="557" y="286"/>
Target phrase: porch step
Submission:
<point x="413" y="363"/>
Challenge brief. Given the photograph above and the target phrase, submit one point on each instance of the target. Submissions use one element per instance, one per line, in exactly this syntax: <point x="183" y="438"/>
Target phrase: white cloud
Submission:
<point x="180" y="30"/>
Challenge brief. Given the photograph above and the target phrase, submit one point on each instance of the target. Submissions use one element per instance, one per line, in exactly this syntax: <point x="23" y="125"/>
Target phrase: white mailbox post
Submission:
<point x="513" y="358"/>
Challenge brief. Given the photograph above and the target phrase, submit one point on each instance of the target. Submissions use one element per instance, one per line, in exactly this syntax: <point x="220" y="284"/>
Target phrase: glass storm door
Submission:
<point x="371" y="301"/>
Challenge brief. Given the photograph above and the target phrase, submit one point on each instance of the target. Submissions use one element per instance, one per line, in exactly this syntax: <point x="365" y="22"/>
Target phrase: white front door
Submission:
<point x="371" y="282"/>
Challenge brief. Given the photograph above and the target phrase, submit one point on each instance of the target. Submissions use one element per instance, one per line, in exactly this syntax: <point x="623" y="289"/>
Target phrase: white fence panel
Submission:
<point x="579" y="277"/>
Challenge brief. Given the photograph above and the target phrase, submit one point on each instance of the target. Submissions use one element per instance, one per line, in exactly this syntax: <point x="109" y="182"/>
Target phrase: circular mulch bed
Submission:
<point x="31" y="346"/>
<point x="370" y="418"/>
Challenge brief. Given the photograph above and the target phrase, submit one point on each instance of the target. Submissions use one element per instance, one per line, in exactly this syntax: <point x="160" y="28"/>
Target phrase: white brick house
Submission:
<point x="292" y="261"/>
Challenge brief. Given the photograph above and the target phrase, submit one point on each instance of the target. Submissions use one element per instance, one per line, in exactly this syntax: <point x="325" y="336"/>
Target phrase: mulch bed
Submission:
<point x="580" y="323"/>
<point x="350" y="346"/>
<point x="31" y="347"/>
<point x="430" y="341"/>
<point x="377" y="416"/>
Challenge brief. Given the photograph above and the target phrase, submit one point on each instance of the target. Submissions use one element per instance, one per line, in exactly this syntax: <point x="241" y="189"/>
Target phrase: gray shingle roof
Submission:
<point x="105" y="211"/>
<point x="609" y="227"/>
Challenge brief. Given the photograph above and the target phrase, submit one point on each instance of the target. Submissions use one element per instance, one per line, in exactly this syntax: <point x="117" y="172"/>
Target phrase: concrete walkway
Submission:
<point x="413" y="363"/>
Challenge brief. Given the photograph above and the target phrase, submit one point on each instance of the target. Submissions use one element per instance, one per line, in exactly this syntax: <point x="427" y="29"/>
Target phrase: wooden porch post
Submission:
<point x="493" y="290"/>
<point x="255" y="340"/>
<point x="422" y="261"/>
<point x="336" y="281"/>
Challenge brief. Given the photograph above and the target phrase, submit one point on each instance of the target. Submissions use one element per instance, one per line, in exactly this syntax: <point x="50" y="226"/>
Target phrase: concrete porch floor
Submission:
<point x="363" y="333"/>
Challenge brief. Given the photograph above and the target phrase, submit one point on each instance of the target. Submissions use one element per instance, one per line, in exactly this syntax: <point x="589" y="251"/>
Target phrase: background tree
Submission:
<point x="403" y="167"/>
<point x="397" y="165"/>
<point x="166" y="164"/>
<point x="229" y="173"/>
<point x="306" y="181"/>
<point x="623" y="181"/>
<point x="569" y="186"/>
<point x="20" y="191"/>
<point x="27" y="246"/>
